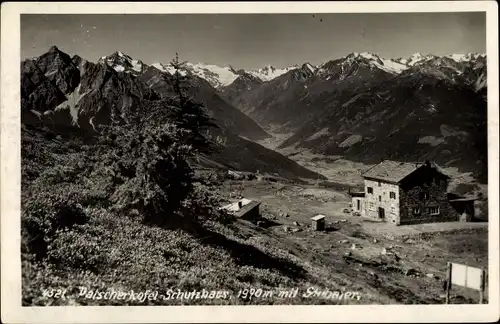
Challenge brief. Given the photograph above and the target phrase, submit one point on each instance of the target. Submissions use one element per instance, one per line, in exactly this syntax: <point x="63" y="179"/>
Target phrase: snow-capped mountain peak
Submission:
<point x="387" y="65"/>
<point x="465" y="57"/>
<point x="221" y="76"/>
<point x="121" y="62"/>
<point x="309" y="67"/>
<point x="217" y="76"/>
<point x="167" y="68"/>
<point x="269" y="72"/>
<point x="418" y="58"/>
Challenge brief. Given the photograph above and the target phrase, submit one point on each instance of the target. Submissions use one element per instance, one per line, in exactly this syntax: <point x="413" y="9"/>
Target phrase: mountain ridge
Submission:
<point x="357" y="108"/>
<point x="72" y="95"/>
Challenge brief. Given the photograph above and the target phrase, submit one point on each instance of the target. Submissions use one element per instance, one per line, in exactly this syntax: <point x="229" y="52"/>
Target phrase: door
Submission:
<point x="381" y="212"/>
<point x="358" y="204"/>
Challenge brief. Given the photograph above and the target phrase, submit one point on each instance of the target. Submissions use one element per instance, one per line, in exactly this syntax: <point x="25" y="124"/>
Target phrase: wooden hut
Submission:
<point x="318" y="222"/>
<point x="245" y="209"/>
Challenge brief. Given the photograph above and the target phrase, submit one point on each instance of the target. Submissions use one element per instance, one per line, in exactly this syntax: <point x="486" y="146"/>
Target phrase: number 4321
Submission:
<point x="54" y="293"/>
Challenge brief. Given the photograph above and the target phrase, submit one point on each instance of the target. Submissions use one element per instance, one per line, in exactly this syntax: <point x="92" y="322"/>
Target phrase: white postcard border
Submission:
<point x="11" y="310"/>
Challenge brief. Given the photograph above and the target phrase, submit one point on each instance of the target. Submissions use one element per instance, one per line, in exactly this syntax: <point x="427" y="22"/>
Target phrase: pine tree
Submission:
<point x="189" y="114"/>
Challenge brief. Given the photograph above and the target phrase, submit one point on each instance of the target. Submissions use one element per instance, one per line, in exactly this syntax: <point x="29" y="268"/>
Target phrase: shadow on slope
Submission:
<point x="237" y="153"/>
<point x="248" y="255"/>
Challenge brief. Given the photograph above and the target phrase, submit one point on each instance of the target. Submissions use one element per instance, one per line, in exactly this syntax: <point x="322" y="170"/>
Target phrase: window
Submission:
<point x="358" y="203"/>
<point x="379" y="198"/>
<point x="424" y="195"/>
<point x="392" y="195"/>
<point x="379" y="183"/>
<point x="434" y="210"/>
<point x="370" y="190"/>
<point x="416" y="210"/>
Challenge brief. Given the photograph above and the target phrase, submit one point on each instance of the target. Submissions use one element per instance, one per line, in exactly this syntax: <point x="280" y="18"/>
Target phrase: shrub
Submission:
<point x="42" y="216"/>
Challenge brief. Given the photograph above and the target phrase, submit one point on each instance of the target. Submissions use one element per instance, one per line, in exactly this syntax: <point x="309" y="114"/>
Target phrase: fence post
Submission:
<point x="448" y="283"/>
<point x="481" y="291"/>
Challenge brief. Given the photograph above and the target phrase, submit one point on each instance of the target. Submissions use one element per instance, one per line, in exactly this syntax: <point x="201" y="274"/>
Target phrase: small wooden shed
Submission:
<point x="245" y="209"/>
<point x="318" y="222"/>
<point x="464" y="207"/>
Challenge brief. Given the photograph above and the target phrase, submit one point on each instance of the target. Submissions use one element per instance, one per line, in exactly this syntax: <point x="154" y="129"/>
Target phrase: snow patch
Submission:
<point x="418" y="58"/>
<point x="269" y="72"/>
<point x="159" y="66"/>
<point x="351" y="140"/>
<point x="216" y="75"/>
<point x="447" y="131"/>
<point x="118" y="68"/>
<point x="465" y="57"/>
<point x="309" y="66"/>
<point x="71" y="103"/>
<point x="136" y="65"/>
<point x="322" y="132"/>
<point x="386" y="65"/>
<point x="167" y="69"/>
<point x="431" y="140"/>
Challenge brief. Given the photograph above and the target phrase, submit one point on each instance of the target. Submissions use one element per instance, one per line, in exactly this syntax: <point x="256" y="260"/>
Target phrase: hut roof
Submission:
<point x="394" y="171"/>
<point x="246" y="206"/>
<point x="318" y="217"/>
<point x="356" y="193"/>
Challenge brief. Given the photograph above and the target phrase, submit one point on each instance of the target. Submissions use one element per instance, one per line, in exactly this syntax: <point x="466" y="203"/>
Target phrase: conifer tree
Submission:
<point x="189" y="114"/>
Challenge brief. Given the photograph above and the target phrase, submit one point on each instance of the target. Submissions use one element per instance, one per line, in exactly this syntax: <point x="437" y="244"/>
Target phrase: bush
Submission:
<point x="42" y="216"/>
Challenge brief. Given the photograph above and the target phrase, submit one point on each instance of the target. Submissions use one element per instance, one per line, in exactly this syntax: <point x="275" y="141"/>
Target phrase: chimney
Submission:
<point x="240" y="204"/>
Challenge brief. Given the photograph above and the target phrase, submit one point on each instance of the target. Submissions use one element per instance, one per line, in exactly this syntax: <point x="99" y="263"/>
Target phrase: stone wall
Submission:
<point x="380" y="198"/>
<point x="423" y="198"/>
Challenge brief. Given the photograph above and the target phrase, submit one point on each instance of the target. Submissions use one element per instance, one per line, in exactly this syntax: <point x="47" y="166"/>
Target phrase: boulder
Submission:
<point x="283" y="214"/>
<point x="411" y="272"/>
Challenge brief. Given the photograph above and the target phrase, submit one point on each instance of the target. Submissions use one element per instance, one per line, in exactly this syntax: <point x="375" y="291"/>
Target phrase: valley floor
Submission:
<point x="340" y="171"/>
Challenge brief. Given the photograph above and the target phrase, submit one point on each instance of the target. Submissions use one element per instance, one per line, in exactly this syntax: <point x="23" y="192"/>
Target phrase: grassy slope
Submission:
<point x="94" y="254"/>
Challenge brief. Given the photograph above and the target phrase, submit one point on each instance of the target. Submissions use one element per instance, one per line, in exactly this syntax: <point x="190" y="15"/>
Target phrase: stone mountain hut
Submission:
<point x="404" y="193"/>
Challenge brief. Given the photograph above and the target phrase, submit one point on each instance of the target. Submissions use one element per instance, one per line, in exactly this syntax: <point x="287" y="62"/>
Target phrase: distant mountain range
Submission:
<point x="223" y="76"/>
<point x="71" y="94"/>
<point x="367" y="108"/>
<point x="361" y="106"/>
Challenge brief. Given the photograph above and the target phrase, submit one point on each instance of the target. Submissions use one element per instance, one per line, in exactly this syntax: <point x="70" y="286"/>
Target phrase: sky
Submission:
<point x="251" y="41"/>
